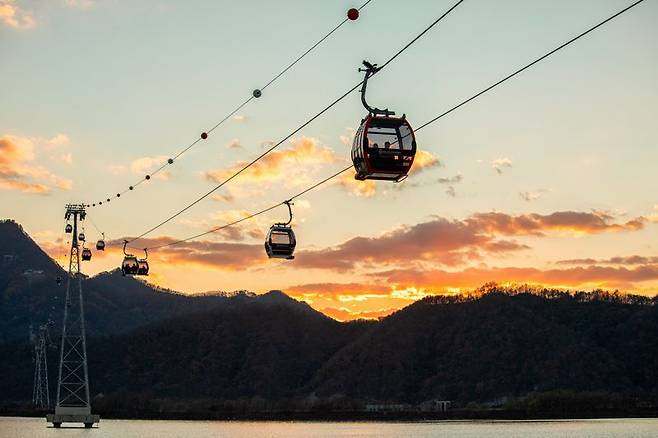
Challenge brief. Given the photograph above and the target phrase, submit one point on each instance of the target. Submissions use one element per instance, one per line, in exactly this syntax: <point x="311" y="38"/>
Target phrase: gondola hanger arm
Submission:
<point x="370" y="70"/>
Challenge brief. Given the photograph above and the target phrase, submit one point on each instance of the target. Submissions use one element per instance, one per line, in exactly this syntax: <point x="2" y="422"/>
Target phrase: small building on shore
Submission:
<point x="435" y="405"/>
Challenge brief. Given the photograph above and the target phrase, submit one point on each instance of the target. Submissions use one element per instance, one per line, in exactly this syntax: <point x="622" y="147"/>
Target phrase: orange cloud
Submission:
<point x="566" y="221"/>
<point x="219" y="255"/>
<point x="597" y="276"/>
<point x="455" y="242"/>
<point x="15" y="171"/>
<point x="14" y="16"/>
<point x="290" y="164"/>
<point x="619" y="260"/>
<point x="424" y="160"/>
<point x="365" y="188"/>
<point x="346" y="314"/>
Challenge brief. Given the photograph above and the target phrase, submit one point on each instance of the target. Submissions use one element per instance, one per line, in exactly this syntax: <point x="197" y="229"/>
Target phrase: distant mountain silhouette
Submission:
<point x="499" y="345"/>
<point x="29" y="294"/>
<point x="495" y="344"/>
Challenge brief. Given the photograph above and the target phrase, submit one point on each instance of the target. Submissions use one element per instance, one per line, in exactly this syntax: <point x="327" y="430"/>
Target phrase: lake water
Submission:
<point x="12" y="427"/>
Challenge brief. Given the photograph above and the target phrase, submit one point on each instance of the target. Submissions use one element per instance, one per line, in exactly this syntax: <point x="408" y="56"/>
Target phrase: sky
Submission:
<point x="549" y="179"/>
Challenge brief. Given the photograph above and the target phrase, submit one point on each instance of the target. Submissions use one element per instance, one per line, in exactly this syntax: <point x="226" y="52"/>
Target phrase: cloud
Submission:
<point x="532" y="195"/>
<point x="234" y="144"/>
<point x="228" y="256"/>
<point x="451" y="182"/>
<point x="348" y="138"/>
<point x="240" y="118"/>
<point x="17" y="172"/>
<point x="618" y="260"/>
<point x="573" y="222"/>
<point x="365" y="188"/>
<point x="292" y="165"/>
<point x="14" y="16"/>
<point x="66" y="158"/>
<point x="424" y="160"/>
<point x="500" y="163"/>
<point x="593" y="276"/>
<point x="227" y="198"/>
<point x="456" y="242"/>
<point x="336" y="290"/>
<point x="59" y="140"/>
<point x="82" y="4"/>
<point x="345" y="314"/>
<point x="142" y="166"/>
<point x="368" y="188"/>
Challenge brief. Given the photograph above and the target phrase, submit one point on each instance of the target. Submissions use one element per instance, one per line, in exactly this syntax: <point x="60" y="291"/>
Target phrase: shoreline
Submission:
<point x="389" y="417"/>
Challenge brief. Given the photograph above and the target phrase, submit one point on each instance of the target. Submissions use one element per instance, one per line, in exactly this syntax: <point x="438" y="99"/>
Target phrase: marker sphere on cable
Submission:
<point x="257" y="93"/>
<point x="353" y="14"/>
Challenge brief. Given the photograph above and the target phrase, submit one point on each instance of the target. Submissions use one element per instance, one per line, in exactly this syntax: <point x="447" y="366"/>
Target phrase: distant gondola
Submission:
<point x="68" y="229"/>
<point x="86" y="254"/>
<point x="143" y="264"/>
<point x="100" y="245"/>
<point x="280" y="241"/>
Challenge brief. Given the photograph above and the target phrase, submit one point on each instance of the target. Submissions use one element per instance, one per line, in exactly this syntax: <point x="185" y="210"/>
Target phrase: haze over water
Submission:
<point x="37" y="428"/>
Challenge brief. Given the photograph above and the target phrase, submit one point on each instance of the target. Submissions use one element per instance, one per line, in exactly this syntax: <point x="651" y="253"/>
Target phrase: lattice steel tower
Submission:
<point x="73" y="404"/>
<point x="40" y="393"/>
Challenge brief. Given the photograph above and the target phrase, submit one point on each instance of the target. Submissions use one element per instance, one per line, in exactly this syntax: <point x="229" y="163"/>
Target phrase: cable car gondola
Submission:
<point x="86" y="254"/>
<point x="100" y="245"/>
<point x="68" y="229"/>
<point x="130" y="265"/>
<point x="384" y="147"/>
<point x="280" y="242"/>
<point x="143" y="265"/>
<point x="81" y="237"/>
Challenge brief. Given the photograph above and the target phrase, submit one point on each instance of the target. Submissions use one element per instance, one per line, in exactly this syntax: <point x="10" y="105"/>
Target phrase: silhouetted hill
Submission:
<point x="29" y="294"/>
<point x="267" y="347"/>
<point x="500" y="345"/>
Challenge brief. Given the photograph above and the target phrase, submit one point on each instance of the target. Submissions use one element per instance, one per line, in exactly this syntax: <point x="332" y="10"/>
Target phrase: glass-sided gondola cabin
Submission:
<point x="68" y="228"/>
<point x="100" y="245"/>
<point x="384" y="148"/>
<point x="130" y="265"/>
<point x="280" y="242"/>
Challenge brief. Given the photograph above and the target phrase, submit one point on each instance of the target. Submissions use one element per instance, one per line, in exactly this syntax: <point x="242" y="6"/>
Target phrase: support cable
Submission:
<point x="256" y="93"/>
<point x="475" y="96"/>
<point x="302" y="126"/>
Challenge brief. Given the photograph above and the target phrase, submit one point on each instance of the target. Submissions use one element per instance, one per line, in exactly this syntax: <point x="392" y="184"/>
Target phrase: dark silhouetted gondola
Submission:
<point x="86" y="254"/>
<point x="384" y="147"/>
<point x="280" y="242"/>
<point x="143" y="265"/>
<point x="81" y="237"/>
<point x="130" y="265"/>
<point x="68" y="228"/>
<point x="100" y="245"/>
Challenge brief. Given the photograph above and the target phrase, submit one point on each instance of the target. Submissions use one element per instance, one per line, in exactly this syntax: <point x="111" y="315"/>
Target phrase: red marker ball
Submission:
<point x="204" y="135"/>
<point x="353" y="14"/>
